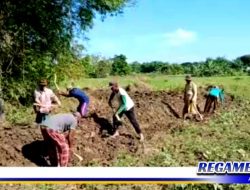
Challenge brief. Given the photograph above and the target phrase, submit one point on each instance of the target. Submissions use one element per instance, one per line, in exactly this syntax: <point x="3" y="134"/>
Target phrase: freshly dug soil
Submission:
<point x="157" y="112"/>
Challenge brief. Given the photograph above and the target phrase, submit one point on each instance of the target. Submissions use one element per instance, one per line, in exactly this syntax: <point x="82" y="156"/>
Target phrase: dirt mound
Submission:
<point x="158" y="113"/>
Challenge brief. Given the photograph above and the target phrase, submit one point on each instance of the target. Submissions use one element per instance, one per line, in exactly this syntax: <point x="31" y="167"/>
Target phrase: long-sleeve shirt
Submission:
<point x="125" y="102"/>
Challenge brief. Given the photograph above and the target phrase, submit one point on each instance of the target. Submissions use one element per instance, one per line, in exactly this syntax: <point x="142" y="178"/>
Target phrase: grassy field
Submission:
<point x="223" y="138"/>
<point x="238" y="86"/>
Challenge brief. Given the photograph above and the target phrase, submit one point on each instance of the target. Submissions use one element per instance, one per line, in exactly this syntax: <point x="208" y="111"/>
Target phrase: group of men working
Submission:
<point x="213" y="97"/>
<point x="59" y="130"/>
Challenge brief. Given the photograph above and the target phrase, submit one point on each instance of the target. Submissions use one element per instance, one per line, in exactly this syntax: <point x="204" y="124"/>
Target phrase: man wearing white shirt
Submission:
<point x="126" y="106"/>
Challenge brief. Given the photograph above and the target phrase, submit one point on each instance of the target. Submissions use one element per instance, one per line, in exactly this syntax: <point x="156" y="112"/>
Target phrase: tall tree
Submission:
<point x="246" y="60"/>
<point x="120" y="65"/>
<point x="34" y="33"/>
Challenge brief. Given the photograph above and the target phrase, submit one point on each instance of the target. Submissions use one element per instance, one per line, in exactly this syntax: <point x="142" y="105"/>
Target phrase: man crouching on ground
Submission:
<point x="126" y="106"/>
<point x="59" y="133"/>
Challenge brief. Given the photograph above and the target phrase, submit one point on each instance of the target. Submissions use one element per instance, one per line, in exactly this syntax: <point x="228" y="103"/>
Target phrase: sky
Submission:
<point x="174" y="31"/>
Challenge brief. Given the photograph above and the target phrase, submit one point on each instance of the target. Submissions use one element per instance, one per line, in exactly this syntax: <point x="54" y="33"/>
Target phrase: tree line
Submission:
<point x="219" y="66"/>
<point x="37" y="41"/>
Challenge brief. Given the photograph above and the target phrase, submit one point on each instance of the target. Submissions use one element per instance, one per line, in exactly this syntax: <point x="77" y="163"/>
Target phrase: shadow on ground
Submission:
<point x="103" y="123"/>
<point x="35" y="152"/>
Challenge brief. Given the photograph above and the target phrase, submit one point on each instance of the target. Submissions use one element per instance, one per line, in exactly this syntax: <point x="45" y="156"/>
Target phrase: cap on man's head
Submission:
<point x="113" y="84"/>
<point x="188" y="77"/>
<point x="43" y="82"/>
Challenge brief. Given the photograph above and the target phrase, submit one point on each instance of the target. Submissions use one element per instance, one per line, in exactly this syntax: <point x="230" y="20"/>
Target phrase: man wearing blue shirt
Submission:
<point x="81" y="96"/>
<point x="214" y="94"/>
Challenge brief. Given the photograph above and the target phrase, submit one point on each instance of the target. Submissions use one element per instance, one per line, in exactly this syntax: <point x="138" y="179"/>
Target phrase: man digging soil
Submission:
<point x="81" y="96"/>
<point x="215" y="95"/>
<point x="59" y="134"/>
<point x="126" y="106"/>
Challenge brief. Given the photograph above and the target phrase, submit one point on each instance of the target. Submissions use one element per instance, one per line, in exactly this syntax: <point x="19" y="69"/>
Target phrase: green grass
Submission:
<point x="224" y="138"/>
<point x="20" y="115"/>
<point x="238" y="86"/>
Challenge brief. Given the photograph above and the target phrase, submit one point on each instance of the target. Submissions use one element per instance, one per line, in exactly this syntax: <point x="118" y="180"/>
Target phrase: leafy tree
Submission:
<point x="135" y="67"/>
<point x="237" y="65"/>
<point x="246" y="60"/>
<point x="176" y="69"/>
<point x="87" y="65"/>
<point x="103" y="69"/>
<point x="34" y="34"/>
<point x="154" y="66"/>
<point x="166" y="69"/>
<point x="210" y="67"/>
<point x="120" y="65"/>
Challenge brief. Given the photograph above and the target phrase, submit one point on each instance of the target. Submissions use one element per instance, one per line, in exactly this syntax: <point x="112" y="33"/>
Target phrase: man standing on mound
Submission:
<point x="59" y="133"/>
<point x="80" y="96"/>
<point x="126" y="106"/>
<point x="190" y="98"/>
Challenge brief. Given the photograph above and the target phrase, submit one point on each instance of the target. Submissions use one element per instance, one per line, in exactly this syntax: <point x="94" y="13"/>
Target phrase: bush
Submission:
<point x="103" y="69"/>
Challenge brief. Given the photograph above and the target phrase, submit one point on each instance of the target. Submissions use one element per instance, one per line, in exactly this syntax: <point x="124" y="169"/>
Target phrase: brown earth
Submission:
<point x="157" y="112"/>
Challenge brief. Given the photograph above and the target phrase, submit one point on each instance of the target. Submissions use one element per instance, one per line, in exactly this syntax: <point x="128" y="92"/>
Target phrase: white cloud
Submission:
<point x="180" y="37"/>
<point x="103" y="46"/>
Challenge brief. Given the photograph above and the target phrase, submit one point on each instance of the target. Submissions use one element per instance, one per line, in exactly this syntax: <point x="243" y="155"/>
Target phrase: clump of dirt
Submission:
<point x="157" y="112"/>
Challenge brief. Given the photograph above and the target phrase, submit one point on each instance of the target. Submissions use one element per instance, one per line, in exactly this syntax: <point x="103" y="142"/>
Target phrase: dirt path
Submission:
<point x="157" y="112"/>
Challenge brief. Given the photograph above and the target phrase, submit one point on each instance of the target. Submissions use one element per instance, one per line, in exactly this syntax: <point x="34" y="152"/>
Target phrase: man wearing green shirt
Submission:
<point x="126" y="106"/>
